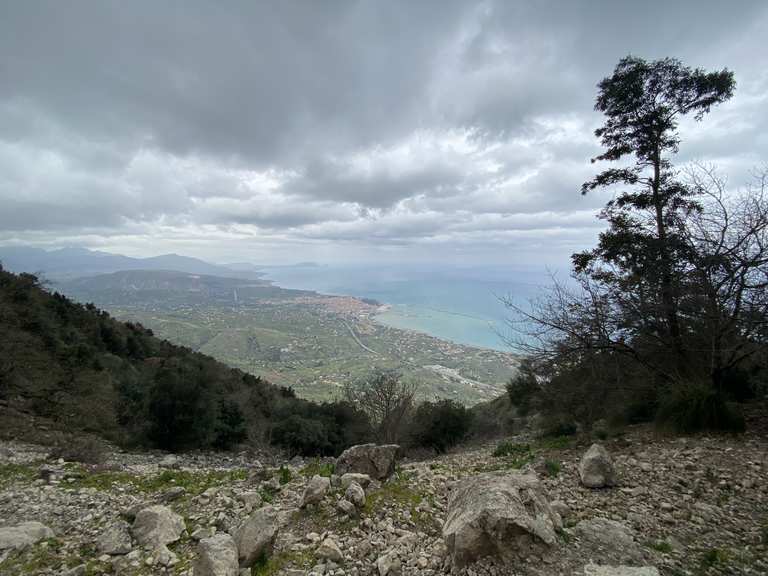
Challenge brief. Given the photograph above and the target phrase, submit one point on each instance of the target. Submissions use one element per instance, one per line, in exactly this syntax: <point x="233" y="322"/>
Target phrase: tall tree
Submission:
<point x="643" y="103"/>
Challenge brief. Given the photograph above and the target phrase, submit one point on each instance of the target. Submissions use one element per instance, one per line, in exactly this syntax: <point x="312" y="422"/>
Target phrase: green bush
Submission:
<point x="230" y="426"/>
<point x="439" y="425"/>
<point x="697" y="407"/>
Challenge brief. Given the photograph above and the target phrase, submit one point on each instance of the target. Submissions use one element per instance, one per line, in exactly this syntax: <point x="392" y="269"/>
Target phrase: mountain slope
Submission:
<point x="83" y="371"/>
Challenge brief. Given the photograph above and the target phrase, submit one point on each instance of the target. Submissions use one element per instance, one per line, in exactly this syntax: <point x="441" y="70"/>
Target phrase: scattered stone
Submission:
<point x="173" y="494"/>
<point x="255" y="538"/>
<point x="561" y="508"/>
<point x="596" y="468"/>
<point x="363" y="479"/>
<point x="346" y="507"/>
<point x="115" y="540"/>
<point x="609" y="540"/>
<point x="156" y="526"/>
<point x="595" y="570"/>
<point x="355" y="494"/>
<point x="501" y="515"/>
<point x="22" y="535"/>
<point x="169" y="461"/>
<point x="315" y="490"/>
<point x="217" y="556"/>
<point x="389" y="565"/>
<point x="375" y="461"/>
<point x="251" y="498"/>
<point x="329" y="550"/>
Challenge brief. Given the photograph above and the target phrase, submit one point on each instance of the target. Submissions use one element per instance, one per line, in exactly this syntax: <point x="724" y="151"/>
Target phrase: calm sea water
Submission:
<point x="462" y="305"/>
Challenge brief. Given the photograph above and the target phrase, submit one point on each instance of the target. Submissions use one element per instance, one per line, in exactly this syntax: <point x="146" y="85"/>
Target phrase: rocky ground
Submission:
<point x="687" y="506"/>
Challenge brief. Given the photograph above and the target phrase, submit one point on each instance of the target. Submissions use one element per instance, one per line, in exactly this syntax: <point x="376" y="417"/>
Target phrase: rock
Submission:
<point x="156" y="526"/>
<point x="329" y="550"/>
<point x="217" y="556"/>
<point x="355" y="494"/>
<point x="202" y="533"/>
<point x="363" y="479"/>
<point x="501" y="515"/>
<point x="596" y="468"/>
<point x="389" y="565"/>
<point x="22" y="535"/>
<point x="609" y="540"/>
<point x="250" y="498"/>
<point x="315" y="490"/>
<point x="255" y="538"/>
<point x="173" y="494"/>
<point x="595" y="570"/>
<point x="561" y="508"/>
<point x="169" y="461"/>
<point x="375" y="461"/>
<point x="115" y="540"/>
<point x="163" y="556"/>
<point x="346" y="507"/>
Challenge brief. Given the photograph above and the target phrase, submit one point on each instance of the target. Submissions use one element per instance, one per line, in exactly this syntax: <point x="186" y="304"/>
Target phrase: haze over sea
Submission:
<point x="458" y="304"/>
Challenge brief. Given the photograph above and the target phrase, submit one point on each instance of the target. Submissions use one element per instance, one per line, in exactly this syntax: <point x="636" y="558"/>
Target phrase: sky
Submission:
<point x="341" y="131"/>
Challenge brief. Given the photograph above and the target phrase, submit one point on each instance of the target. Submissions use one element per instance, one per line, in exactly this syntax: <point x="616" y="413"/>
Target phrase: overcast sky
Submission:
<point x="340" y="131"/>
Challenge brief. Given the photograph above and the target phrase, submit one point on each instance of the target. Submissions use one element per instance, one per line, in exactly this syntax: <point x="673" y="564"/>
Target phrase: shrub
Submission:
<point x="230" y="426"/>
<point x="85" y="449"/>
<point x="439" y="425"/>
<point x="552" y="468"/>
<point x="696" y="407"/>
<point x="180" y="414"/>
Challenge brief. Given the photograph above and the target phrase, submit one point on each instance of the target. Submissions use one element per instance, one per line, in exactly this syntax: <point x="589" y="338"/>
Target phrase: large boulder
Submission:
<point x="595" y="570"/>
<point x="157" y="526"/>
<point x="315" y="490"/>
<point x="115" y="540"/>
<point x="255" y="538"/>
<point x="502" y="515"/>
<point x="609" y="540"/>
<point x="376" y="461"/>
<point x="216" y="556"/>
<point x="596" y="468"/>
<point x="23" y="535"/>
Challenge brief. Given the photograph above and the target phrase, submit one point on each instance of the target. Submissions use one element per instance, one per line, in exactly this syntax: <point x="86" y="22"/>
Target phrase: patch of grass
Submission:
<point x="552" y="468"/>
<point x="42" y="557"/>
<point x="284" y="475"/>
<point x="554" y="443"/>
<point x="507" y="448"/>
<point x="194" y="482"/>
<point x="714" y="557"/>
<point x="660" y="546"/>
<point x="10" y="473"/>
<point x="397" y="490"/>
<point x="276" y="564"/>
<point x="317" y="468"/>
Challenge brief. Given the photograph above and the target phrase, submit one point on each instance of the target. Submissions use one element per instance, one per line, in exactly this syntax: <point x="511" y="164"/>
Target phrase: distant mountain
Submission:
<point x="169" y="288"/>
<point x="74" y="262"/>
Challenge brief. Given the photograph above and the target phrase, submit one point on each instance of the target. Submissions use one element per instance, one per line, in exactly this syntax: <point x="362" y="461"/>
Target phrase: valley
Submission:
<point x="308" y="341"/>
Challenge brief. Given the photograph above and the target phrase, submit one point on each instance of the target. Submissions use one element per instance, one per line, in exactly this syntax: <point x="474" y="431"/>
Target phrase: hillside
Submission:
<point x="72" y="367"/>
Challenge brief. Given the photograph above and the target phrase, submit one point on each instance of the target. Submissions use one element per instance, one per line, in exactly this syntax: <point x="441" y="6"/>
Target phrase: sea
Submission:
<point x="463" y="305"/>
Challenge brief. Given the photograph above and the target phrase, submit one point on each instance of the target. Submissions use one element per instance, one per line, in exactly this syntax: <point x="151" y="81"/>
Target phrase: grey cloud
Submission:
<point x="382" y="123"/>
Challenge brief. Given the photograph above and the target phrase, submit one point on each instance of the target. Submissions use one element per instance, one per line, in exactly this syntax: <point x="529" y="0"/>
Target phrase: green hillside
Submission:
<point x="77" y="369"/>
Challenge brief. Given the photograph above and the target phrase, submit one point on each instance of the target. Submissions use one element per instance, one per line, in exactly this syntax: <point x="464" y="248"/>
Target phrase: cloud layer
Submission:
<point x="339" y="130"/>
